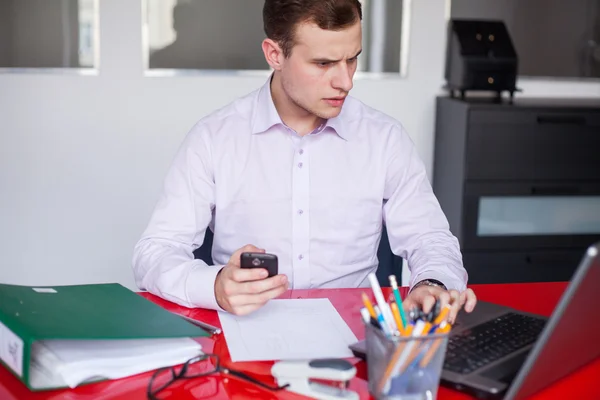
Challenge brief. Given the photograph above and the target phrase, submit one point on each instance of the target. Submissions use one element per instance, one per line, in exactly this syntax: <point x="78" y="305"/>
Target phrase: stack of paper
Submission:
<point x="58" y="363"/>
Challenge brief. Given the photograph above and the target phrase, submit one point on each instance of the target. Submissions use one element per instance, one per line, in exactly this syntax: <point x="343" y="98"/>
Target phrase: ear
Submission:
<point x="273" y="54"/>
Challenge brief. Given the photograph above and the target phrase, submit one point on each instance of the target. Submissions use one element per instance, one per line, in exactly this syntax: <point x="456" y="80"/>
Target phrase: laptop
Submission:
<point x="500" y="352"/>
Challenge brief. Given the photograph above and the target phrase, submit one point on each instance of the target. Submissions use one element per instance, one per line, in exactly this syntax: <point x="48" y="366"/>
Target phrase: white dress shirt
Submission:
<point x="318" y="202"/>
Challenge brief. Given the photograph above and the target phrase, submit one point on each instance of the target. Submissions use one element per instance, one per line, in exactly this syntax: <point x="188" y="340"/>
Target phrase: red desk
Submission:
<point x="537" y="298"/>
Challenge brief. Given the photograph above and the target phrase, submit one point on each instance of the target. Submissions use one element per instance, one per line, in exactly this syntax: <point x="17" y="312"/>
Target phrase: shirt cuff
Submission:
<point x="450" y="283"/>
<point x="200" y="286"/>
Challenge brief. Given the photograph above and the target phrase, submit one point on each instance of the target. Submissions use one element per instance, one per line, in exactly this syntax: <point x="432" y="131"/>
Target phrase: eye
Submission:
<point x="353" y="59"/>
<point x="323" y="64"/>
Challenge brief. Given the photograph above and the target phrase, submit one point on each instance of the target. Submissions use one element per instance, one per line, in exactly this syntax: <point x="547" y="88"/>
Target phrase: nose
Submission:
<point x="342" y="79"/>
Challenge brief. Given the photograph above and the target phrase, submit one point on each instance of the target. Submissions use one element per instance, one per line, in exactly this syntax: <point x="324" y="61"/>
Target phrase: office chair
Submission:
<point x="389" y="263"/>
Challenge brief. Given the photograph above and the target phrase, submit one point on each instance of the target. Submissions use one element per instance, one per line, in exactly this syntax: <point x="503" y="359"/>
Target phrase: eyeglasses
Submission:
<point x="165" y="377"/>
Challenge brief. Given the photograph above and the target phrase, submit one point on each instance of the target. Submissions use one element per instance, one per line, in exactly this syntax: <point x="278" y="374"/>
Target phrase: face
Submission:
<point x="317" y="76"/>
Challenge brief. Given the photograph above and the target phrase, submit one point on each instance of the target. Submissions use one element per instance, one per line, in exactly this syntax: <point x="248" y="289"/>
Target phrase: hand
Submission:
<point x="425" y="297"/>
<point x="243" y="290"/>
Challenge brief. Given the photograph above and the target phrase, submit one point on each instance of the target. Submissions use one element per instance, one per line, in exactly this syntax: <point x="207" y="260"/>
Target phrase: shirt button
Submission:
<point x="299" y="165"/>
<point x="300" y="212"/>
<point x="300" y="257"/>
<point x="301" y="151"/>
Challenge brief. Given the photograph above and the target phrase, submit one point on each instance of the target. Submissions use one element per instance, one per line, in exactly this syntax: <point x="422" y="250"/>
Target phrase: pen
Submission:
<point x="394" y="284"/>
<point x="381" y="320"/>
<point x="212" y="329"/>
<point x="368" y="319"/>
<point x="384" y="307"/>
<point x="364" y="313"/>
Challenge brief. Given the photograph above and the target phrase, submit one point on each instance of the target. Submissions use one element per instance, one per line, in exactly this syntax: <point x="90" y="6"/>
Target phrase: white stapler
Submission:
<point x="301" y="376"/>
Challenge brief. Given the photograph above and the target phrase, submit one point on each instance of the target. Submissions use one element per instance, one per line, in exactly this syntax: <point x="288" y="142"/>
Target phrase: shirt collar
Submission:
<point x="266" y="116"/>
<point x="340" y="123"/>
<point x="265" y="113"/>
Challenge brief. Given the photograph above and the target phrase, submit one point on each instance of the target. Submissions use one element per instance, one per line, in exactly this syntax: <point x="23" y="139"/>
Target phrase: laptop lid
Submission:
<point x="569" y="339"/>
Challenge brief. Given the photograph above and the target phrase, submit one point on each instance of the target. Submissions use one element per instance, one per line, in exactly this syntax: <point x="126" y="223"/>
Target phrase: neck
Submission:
<point x="294" y="116"/>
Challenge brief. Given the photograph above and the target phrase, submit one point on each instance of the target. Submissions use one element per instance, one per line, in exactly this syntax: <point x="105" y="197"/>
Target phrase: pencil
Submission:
<point x="369" y="306"/>
<point x="442" y="315"/>
<point x="397" y="317"/>
<point x="444" y="328"/>
<point x="401" y="350"/>
<point x="384" y="307"/>
<point x="394" y="285"/>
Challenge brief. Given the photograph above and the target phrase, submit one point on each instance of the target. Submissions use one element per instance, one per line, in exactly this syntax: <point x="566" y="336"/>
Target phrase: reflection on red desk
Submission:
<point x="539" y="298"/>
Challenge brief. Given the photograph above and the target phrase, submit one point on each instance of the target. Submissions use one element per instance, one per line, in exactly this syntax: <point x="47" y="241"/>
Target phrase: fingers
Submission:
<point x="245" y="301"/>
<point x="248" y="274"/>
<point x="234" y="287"/>
<point x="462" y="298"/>
<point x="455" y="305"/>
<point x="425" y="298"/>
<point x="263" y="285"/>
<point x="241" y="291"/>
<point x="249" y="248"/>
<point x="471" y="300"/>
<point x="428" y="303"/>
<point x="455" y="297"/>
<point x="417" y="298"/>
<point x="444" y="299"/>
<point x="245" y="309"/>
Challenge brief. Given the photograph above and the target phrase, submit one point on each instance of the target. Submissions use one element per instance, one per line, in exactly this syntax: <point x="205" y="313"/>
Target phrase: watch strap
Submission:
<point x="429" y="282"/>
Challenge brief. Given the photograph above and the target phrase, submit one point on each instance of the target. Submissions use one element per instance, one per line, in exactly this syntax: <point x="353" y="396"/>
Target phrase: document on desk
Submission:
<point x="64" y="336"/>
<point x="288" y="329"/>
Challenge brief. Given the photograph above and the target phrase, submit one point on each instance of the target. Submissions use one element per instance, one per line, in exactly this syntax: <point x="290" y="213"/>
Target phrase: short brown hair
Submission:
<point x="280" y="17"/>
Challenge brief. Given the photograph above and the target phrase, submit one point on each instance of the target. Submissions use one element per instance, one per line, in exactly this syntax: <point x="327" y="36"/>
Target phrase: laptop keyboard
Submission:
<point x="490" y="341"/>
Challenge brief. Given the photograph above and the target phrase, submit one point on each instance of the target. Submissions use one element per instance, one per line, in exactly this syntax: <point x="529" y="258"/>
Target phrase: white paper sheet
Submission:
<point x="296" y="329"/>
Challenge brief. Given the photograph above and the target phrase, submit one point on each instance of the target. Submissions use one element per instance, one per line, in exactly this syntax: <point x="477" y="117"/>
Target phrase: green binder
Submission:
<point x="79" y="312"/>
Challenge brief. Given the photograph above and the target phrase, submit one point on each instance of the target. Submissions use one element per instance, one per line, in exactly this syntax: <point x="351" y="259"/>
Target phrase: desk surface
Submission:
<point x="539" y="298"/>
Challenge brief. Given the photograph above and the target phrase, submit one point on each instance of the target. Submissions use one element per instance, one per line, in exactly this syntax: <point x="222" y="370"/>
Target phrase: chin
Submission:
<point x="329" y="112"/>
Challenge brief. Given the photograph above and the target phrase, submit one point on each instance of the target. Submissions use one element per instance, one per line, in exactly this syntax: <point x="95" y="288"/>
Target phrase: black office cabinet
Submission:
<point x="520" y="184"/>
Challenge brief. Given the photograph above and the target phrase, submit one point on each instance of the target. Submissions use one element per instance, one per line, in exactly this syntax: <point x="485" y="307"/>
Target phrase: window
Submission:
<point x="227" y="35"/>
<point x="48" y="34"/>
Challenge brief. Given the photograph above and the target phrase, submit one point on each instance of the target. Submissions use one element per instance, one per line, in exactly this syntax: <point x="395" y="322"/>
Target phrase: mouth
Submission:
<point x="335" y="101"/>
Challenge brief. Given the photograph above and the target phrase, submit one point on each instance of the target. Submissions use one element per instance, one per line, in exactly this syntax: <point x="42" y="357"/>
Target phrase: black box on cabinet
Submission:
<point x="480" y="56"/>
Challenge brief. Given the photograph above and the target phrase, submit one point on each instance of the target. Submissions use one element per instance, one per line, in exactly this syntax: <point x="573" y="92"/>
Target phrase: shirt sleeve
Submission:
<point x="163" y="259"/>
<point x="417" y="227"/>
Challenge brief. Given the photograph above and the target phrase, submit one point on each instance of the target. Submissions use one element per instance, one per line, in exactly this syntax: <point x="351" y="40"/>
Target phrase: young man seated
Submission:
<point x="300" y="169"/>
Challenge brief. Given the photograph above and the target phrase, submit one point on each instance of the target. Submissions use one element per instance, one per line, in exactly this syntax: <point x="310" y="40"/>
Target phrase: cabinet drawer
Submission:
<point x="512" y="267"/>
<point x="521" y="216"/>
<point x="525" y="145"/>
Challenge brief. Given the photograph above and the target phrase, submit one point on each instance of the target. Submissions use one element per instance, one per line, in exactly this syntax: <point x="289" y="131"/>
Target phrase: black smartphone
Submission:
<point x="260" y="260"/>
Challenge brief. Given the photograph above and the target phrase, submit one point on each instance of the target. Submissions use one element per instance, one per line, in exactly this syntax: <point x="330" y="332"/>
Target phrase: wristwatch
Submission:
<point x="429" y="282"/>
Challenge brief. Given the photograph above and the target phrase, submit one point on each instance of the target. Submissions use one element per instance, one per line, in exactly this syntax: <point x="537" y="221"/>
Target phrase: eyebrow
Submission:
<point x="327" y="60"/>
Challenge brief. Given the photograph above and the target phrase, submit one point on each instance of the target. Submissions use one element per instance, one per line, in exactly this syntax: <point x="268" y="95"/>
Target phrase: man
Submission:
<point x="301" y="170"/>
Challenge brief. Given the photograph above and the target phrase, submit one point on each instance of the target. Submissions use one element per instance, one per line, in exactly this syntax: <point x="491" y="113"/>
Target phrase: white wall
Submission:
<point x="82" y="158"/>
